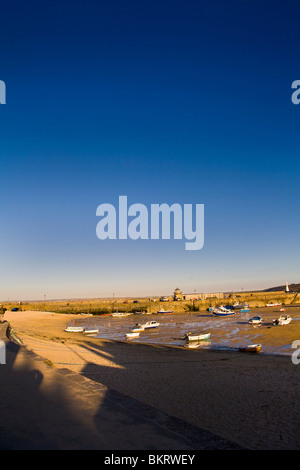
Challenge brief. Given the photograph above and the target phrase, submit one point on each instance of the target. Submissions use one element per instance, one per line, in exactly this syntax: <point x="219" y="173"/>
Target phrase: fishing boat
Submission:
<point x="255" y="321"/>
<point x="132" y="335"/>
<point x="150" y="324"/>
<point x="282" y="320"/>
<point x="74" y="329"/>
<point x="195" y="337"/>
<point x="89" y="331"/>
<point x="162" y="311"/>
<point x="222" y="312"/>
<point x="253" y="348"/>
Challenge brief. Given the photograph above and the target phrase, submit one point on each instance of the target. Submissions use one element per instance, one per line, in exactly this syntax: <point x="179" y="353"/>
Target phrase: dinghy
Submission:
<point x="74" y="329"/>
<point x="132" y="335"/>
<point x="254" y="348"/>
<point x="255" y="321"/>
<point x="196" y="337"/>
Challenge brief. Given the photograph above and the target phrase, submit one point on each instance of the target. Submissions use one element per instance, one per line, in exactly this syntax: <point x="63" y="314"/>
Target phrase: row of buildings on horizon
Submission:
<point x="179" y="295"/>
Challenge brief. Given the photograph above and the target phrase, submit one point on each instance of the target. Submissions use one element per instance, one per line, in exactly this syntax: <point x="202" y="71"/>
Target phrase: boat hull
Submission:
<point x="282" y="321"/>
<point x="200" y="337"/>
<point x="150" y="325"/>
<point x="132" y="335"/>
<point x="74" y="329"/>
<point x="223" y="314"/>
<point x="252" y="348"/>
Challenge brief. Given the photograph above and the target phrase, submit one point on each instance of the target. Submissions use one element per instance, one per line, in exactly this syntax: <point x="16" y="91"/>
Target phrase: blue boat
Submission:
<point x="245" y="310"/>
<point x="222" y="312"/>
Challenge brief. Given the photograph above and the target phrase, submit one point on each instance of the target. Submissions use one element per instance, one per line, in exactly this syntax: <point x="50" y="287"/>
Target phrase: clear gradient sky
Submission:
<point x="168" y="101"/>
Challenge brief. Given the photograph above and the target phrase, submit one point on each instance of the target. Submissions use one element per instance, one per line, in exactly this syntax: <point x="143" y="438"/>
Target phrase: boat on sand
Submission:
<point x="132" y="334"/>
<point x="162" y="311"/>
<point x="90" y="331"/>
<point x="282" y="320"/>
<point x="150" y="324"/>
<point x="137" y="328"/>
<point x="196" y="337"/>
<point x="120" y="314"/>
<point x="222" y="312"/>
<point x="255" y="321"/>
<point x="74" y="329"/>
<point x="253" y="348"/>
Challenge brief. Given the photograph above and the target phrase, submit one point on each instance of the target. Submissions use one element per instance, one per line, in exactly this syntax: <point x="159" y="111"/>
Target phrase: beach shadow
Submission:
<point x="37" y="409"/>
<point x="135" y="399"/>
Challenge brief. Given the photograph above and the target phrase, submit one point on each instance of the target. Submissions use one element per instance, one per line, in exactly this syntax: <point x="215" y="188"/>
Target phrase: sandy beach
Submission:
<point x="249" y="399"/>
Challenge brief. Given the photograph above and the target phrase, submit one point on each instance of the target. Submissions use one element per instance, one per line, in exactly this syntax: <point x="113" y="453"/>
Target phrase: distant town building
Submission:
<point x="178" y="295"/>
<point x="202" y="296"/>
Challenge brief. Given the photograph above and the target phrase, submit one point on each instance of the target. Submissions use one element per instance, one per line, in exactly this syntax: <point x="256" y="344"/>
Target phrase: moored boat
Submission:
<point x="282" y="320"/>
<point x="253" y="348"/>
<point x="90" y="331"/>
<point x="196" y="344"/>
<point x="237" y="306"/>
<point x="120" y="314"/>
<point x="255" y="321"/>
<point x="222" y="312"/>
<point x="150" y="324"/>
<point x="196" y="337"/>
<point x="74" y="329"/>
<point x="132" y="335"/>
<point x="137" y="328"/>
<point x="162" y="311"/>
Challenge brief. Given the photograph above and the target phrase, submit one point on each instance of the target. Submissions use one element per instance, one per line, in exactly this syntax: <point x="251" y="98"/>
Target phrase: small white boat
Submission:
<point x="150" y="324"/>
<point x="132" y="335"/>
<point x="282" y="320"/>
<point x="88" y="331"/>
<point x="255" y="321"/>
<point x="197" y="344"/>
<point x="195" y="337"/>
<point x="273" y="304"/>
<point x="120" y="314"/>
<point x="74" y="329"/>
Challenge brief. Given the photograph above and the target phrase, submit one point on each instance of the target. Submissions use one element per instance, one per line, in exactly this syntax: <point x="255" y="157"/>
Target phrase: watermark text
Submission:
<point x="162" y="221"/>
<point x="2" y="92"/>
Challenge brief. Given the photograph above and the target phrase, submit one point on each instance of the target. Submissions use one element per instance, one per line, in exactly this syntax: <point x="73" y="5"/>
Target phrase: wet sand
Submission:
<point x="250" y="399"/>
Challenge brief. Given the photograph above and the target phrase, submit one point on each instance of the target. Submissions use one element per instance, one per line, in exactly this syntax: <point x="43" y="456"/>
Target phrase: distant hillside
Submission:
<point x="292" y="287"/>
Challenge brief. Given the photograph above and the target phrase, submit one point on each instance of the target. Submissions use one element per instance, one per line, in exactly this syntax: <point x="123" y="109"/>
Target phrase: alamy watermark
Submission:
<point x="2" y="352"/>
<point x="296" y="94"/>
<point x="2" y="92"/>
<point x="295" y="358"/>
<point x="133" y="222"/>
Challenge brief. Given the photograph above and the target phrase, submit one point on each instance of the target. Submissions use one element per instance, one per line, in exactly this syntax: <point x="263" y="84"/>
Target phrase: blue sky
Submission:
<point x="186" y="102"/>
